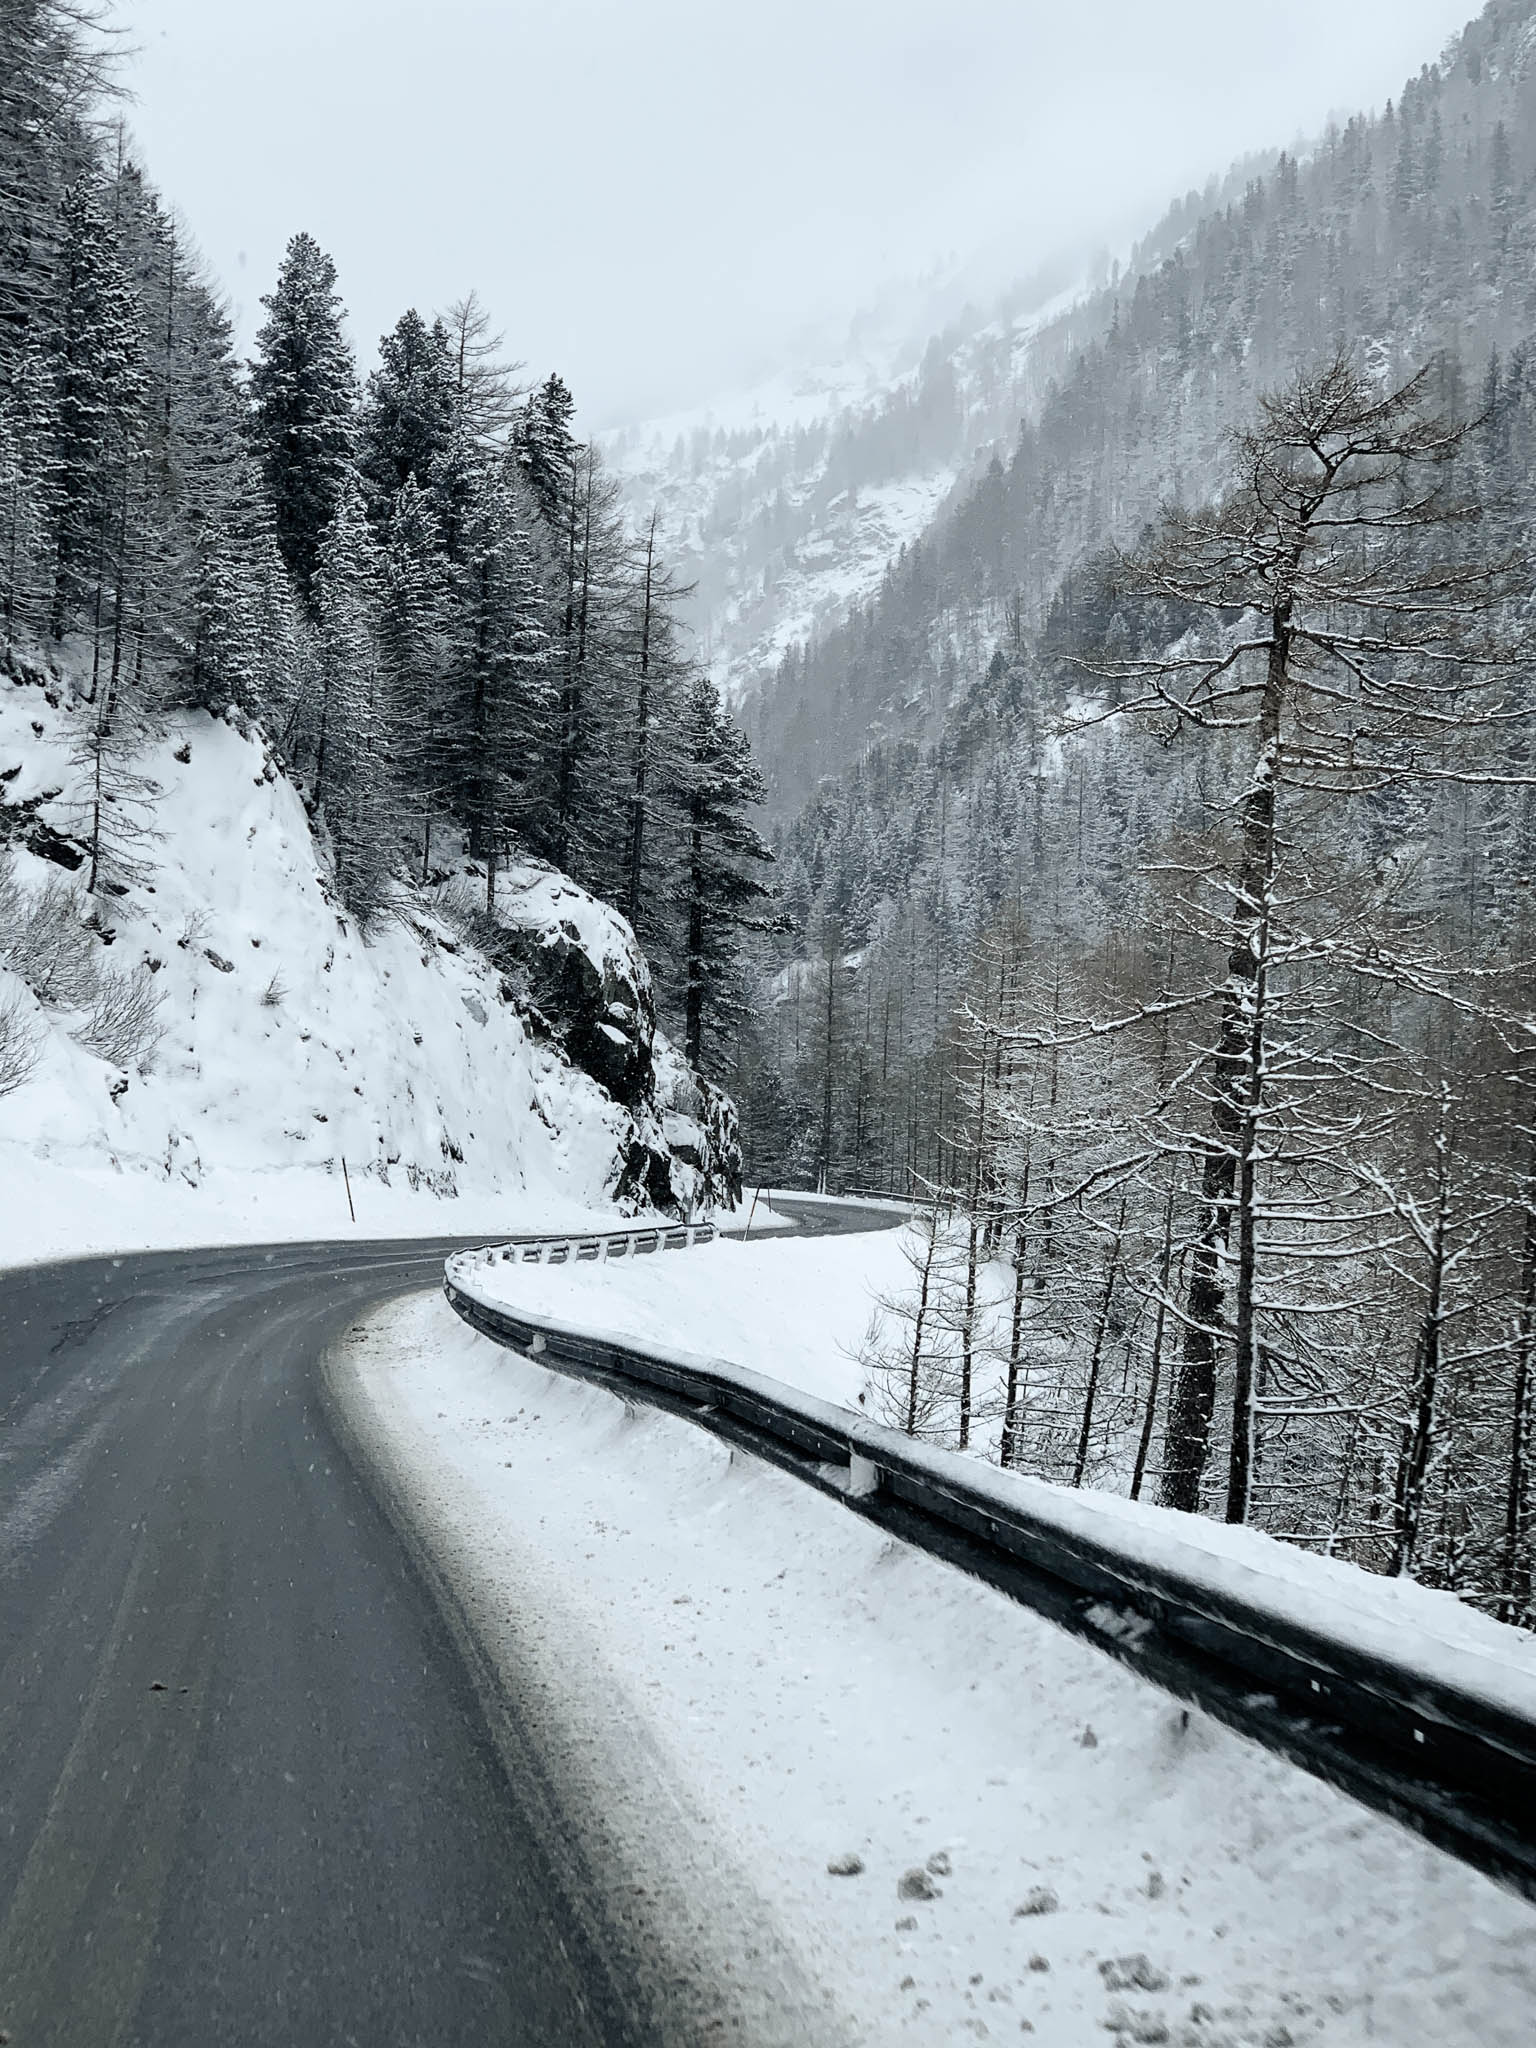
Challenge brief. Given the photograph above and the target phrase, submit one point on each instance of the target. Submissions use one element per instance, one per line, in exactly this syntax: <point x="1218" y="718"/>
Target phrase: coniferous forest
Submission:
<point x="1165" y="928"/>
<point x="416" y="584"/>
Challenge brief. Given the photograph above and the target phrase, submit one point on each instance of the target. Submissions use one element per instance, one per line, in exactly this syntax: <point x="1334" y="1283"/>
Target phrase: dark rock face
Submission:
<point x="576" y="972"/>
<point x="582" y="970"/>
<point x="604" y="1019"/>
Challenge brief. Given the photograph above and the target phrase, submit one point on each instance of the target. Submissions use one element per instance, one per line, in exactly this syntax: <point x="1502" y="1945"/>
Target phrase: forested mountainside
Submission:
<point x="784" y="503"/>
<point x="1168" y="931"/>
<point x="1400" y="234"/>
<point x="414" y="594"/>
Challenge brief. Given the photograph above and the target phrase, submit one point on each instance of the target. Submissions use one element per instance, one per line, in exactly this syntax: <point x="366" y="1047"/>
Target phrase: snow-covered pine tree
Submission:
<point x="303" y="388"/>
<point x="547" y="450"/>
<point x="222" y="664"/>
<point x="202" y="497"/>
<point x="52" y="65"/>
<point x="591" y="619"/>
<point x="415" y="640"/>
<point x="352" y="779"/>
<point x="652" y="730"/>
<point x="722" y="897"/>
<point x="408" y="413"/>
<point x="94" y="351"/>
<point x="502" y="743"/>
<point x="26" y="471"/>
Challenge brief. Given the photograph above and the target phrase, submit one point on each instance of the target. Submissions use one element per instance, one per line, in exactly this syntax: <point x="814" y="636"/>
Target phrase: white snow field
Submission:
<point x="757" y="1690"/>
<point x="289" y="1043"/>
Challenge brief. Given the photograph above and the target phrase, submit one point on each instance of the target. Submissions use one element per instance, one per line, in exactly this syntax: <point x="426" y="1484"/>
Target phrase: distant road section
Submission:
<point x="247" y="1793"/>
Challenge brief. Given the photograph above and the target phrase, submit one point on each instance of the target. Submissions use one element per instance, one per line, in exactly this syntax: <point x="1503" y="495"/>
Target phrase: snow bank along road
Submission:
<point x="1431" y="1721"/>
<point x="247" y="1794"/>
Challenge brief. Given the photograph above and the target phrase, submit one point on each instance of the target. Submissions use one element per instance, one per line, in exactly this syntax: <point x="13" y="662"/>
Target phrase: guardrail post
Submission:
<point x="863" y="1477"/>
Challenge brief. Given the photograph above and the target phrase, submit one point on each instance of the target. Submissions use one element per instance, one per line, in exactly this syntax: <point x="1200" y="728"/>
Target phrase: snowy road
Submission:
<point x="246" y="1790"/>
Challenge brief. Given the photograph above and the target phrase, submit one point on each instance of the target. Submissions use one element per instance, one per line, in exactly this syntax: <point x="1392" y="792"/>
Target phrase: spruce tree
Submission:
<point x="352" y="780"/>
<point x="26" y="471"/>
<point x="303" y="388"/>
<point x="222" y="663"/>
<point x="95" y="352"/>
<point x="408" y="412"/>
<point x="504" y="734"/>
<point x="546" y="448"/>
<point x="415" y="630"/>
<point x="723" y="899"/>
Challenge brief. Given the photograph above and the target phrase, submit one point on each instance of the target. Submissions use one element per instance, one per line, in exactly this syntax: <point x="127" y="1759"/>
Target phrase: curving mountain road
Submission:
<point x="247" y="1792"/>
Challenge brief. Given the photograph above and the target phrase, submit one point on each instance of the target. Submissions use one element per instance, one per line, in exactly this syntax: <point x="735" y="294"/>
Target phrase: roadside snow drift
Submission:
<point x="794" y="1312"/>
<point x="963" y="1823"/>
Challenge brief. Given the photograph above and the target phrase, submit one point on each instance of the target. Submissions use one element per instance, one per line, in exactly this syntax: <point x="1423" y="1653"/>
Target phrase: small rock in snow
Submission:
<point x="1088" y="1740"/>
<point x="906" y="1924"/>
<point x="847" y="1865"/>
<point x="916" y="1884"/>
<point x="1132" y="1973"/>
<point x="217" y="960"/>
<point x="1156" y="1884"/>
<point x="939" y="1863"/>
<point x="1041" y="1900"/>
<point x="907" y="1984"/>
<point x="1149" y="2029"/>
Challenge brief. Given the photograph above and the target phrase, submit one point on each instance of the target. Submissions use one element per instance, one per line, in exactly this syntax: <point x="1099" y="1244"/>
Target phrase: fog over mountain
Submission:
<point x="722" y="187"/>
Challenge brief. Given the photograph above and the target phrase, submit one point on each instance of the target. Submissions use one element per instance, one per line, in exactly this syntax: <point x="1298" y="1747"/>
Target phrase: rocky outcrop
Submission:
<point x="578" y="973"/>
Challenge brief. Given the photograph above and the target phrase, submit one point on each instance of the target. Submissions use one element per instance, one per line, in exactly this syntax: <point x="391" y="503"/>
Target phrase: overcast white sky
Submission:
<point x="660" y="197"/>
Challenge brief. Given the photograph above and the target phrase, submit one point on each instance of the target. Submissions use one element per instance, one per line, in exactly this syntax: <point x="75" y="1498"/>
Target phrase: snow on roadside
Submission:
<point x="1096" y="1858"/>
<point x="54" y="1211"/>
<point x="795" y="1312"/>
<point x="793" y="1308"/>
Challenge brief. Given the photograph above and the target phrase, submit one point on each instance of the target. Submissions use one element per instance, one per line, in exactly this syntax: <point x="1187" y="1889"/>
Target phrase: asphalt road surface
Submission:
<point x="247" y="1792"/>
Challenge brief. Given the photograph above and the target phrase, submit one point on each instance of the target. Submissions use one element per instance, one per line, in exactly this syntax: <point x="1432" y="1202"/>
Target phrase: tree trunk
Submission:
<point x="914" y="1376"/>
<point x="1194" y="1389"/>
<point x="1159" y="1326"/>
<point x="1419" y="1430"/>
<point x="642" y="743"/>
<point x="1080" y="1463"/>
<point x="1515" y="1573"/>
<point x="1244" y="1411"/>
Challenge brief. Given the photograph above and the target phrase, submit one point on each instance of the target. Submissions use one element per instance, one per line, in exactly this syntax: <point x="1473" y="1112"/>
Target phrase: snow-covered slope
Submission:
<point x="281" y="1041"/>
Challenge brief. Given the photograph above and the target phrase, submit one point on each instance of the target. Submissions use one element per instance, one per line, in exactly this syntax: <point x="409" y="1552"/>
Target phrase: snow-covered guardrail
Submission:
<point x="1438" y="1735"/>
<point x="597" y="1245"/>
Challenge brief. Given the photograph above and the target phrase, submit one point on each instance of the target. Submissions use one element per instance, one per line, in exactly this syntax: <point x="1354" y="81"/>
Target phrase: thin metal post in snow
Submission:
<point x="347" y="1183"/>
<point x="750" y="1214"/>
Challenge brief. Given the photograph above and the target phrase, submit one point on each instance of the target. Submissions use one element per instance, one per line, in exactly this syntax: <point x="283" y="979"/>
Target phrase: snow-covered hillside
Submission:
<point x="199" y="1050"/>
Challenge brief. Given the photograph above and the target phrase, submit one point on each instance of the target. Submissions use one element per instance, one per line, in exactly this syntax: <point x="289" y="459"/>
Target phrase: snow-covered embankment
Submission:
<point x="812" y="1695"/>
<point x="206" y="1039"/>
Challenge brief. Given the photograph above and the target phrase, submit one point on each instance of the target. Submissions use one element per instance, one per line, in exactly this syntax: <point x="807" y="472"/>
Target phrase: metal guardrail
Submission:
<point x="600" y="1245"/>
<point x="1453" y="1764"/>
